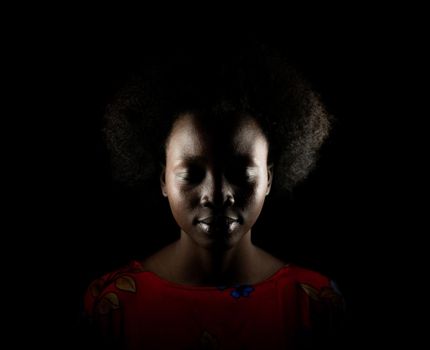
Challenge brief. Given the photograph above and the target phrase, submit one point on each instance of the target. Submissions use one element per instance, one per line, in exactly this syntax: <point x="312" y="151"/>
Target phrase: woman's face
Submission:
<point x="216" y="178"/>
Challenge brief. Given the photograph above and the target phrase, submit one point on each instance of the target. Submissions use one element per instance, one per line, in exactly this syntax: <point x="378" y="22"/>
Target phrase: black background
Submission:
<point x="340" y="221"/>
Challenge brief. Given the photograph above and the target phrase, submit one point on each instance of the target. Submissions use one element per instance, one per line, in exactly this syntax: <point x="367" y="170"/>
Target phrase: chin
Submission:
<point x="220" y="241"/>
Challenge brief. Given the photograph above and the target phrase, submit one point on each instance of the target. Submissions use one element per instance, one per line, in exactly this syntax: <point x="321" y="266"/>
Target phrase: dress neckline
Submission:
<point x="166" y="282"/>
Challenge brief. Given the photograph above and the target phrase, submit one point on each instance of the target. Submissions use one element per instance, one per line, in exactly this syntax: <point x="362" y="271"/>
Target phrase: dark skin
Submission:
<point x="215" y="169"/>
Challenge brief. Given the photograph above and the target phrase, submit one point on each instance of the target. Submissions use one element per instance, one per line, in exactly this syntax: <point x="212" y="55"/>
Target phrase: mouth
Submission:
<point x="218" y="224"/>
<point x="216" y="220"/>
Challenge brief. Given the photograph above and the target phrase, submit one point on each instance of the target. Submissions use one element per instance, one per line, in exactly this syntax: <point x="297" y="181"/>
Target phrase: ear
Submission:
<point x="163" y="180"/>
<point x="269" y="177"/>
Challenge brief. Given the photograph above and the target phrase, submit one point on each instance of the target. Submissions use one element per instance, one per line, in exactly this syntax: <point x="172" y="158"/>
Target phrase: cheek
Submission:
<point x="256" y="191"/>
<point x="253" y="213"/>
<point x="175" y="190"/>
<point x="257" y="201"/>
<point x="252" y="203"/>
<point x="179" y="211"/>
<point x="181" y="199"/>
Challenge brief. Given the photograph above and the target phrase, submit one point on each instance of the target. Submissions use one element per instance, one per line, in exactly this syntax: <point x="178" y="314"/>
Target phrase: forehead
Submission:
<point x="239" y="136"/>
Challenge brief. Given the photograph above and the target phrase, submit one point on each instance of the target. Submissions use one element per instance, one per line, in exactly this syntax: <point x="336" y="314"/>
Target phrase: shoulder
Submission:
<point x="315" y="285"/>
<point x="104" y="293"/>
<point x="310" y="280"/>
<point x="318" y="294"/>
<point x="323" y="305"/>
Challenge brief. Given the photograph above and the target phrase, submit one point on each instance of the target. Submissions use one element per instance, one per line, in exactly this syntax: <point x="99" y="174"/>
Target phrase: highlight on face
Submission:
<point x="216" y="177"/>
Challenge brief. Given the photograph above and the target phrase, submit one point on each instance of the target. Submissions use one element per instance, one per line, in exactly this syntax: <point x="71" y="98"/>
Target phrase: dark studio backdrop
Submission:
<point x="332" y="222"/>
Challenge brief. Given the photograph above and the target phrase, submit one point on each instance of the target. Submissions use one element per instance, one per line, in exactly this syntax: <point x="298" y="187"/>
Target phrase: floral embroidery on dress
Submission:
<point x="240" y="290"/>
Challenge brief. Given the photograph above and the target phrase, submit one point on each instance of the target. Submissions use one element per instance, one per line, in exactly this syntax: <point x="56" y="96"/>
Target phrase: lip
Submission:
<point x="211" y="220"/>
<point x="220" y="227"/>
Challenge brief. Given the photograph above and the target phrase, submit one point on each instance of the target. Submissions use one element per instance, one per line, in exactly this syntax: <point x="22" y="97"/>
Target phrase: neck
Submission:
<point x="206" y="266"/>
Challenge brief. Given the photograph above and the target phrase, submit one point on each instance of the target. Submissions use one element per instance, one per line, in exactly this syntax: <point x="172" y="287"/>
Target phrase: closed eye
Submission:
<point x="191" y="175"/>
<point x="239" y="173"/>
<point x="236" y="173"/>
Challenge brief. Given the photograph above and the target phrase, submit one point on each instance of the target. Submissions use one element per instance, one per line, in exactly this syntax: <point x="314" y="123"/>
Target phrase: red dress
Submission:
<point x="135" y="309"/>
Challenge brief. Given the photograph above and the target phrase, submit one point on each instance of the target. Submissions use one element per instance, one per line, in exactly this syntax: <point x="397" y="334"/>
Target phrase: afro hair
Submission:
<point x="218" y="81"/>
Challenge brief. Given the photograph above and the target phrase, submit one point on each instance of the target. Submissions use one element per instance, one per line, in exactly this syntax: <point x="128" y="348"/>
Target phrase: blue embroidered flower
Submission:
<point x="243" y="290"/>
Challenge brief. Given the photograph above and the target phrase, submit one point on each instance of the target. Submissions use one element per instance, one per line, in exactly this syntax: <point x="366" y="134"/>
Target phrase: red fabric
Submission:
<point x="139" y="310"/>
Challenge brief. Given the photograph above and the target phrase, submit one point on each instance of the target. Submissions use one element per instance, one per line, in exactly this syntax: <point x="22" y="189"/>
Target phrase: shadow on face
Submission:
<point x="216" y="169"/>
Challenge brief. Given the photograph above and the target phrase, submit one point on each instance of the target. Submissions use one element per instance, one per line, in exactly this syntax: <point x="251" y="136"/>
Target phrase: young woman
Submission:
<point x="220" y="131"/>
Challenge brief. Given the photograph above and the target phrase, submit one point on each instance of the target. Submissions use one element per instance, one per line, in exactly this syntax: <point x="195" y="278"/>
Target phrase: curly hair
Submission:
<point x="219" y="83"/>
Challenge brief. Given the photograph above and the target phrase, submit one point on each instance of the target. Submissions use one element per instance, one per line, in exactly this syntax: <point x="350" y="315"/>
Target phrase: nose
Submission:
<point x="218" y="193"/>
